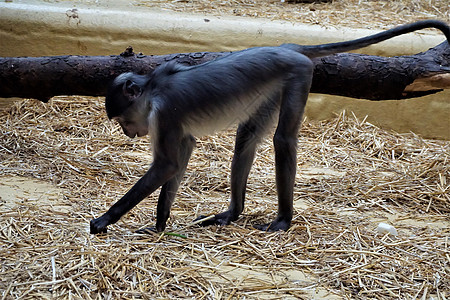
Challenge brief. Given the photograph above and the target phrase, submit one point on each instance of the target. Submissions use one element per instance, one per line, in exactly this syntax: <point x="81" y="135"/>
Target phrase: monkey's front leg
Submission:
<point x="158" y="174"/>
<point x="169" y="189"/>
<point x="171" y="152"/>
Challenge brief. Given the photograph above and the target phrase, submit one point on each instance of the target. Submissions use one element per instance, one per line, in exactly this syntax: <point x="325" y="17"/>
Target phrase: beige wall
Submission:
<point x="38" y="28"/>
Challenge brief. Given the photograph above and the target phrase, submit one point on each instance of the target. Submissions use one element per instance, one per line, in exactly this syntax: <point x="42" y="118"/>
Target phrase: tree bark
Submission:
<point x="346" y="74"/>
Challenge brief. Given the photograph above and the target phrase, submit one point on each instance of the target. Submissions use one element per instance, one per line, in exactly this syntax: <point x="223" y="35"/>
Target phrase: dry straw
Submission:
<point x="352" y="175"/>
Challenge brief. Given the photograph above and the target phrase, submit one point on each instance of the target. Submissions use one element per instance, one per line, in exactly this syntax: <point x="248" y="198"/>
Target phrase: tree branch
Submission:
<point x="346" y="74"/>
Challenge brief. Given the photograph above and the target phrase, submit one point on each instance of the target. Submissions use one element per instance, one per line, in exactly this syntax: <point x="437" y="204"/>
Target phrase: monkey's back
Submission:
<point x="232" y="87"/>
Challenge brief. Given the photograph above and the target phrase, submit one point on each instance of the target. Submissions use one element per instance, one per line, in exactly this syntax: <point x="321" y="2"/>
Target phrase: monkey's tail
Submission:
<point x="332" y="48"/>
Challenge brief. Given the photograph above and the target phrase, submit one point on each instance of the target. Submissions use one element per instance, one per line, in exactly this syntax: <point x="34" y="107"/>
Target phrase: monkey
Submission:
<point x="255" y="88"/>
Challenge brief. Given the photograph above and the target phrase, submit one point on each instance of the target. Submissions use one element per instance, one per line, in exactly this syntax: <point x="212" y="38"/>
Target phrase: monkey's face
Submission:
<point x="132" y="129"/>
<point x="134" y="119"/>
<point x="133" y="123"/>
<point x="126" y="103"/>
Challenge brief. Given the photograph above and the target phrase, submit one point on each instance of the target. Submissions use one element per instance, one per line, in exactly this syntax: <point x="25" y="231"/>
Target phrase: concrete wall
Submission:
<point x="39" y="28"/>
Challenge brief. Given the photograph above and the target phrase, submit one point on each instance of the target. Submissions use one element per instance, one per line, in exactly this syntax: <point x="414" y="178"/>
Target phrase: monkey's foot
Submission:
<point x="99" y="225"/>
<point x="224" y="218"/>
<point x="147" y="230"/>
<point x="278" y="224"/>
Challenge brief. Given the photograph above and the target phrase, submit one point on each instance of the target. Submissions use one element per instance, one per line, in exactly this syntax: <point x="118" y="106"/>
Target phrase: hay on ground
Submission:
<point x="352" y="176"/>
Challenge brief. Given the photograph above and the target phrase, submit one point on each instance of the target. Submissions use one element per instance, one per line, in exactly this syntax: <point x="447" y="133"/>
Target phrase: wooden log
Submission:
<point x="347" y="74"/>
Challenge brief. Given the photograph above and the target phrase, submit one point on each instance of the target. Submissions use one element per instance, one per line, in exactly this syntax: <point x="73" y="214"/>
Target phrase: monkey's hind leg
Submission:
<point x="295" y="94"/>
<point x="248" y="136"/>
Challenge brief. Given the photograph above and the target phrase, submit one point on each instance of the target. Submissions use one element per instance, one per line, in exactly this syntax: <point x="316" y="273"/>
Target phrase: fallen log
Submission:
<point x="346" y="74"/>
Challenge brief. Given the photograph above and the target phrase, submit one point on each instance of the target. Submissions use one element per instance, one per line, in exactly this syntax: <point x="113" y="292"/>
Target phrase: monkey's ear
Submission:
<point x="131" y="90"/>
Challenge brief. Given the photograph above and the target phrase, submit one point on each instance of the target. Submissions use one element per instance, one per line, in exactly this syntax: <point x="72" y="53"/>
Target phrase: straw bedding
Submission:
<point x="352" y="175"/>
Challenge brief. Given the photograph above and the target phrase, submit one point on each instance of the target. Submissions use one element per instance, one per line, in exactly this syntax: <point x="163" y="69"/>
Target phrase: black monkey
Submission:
<point x="253" y="87"/>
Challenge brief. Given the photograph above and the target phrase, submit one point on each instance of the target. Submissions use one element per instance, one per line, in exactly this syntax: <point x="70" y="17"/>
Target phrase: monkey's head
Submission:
<point x="126" y="103"/>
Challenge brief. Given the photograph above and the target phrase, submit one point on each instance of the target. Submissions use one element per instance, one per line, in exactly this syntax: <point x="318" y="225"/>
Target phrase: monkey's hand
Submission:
<point x="99" y="225"/>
